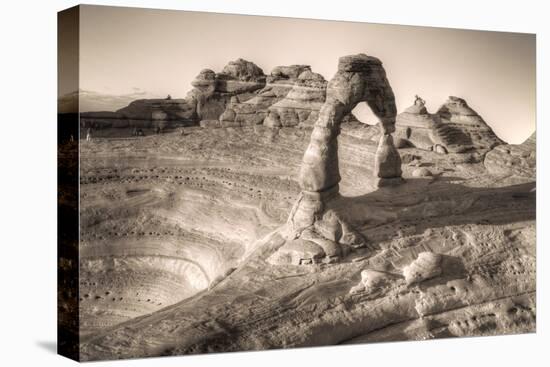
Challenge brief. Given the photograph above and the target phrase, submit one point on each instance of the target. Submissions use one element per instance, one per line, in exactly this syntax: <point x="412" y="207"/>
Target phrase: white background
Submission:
<point x="28" y="182"/>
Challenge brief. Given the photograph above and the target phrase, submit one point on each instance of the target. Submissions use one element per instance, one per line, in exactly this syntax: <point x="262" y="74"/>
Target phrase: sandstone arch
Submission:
<point x="360" y="78"/>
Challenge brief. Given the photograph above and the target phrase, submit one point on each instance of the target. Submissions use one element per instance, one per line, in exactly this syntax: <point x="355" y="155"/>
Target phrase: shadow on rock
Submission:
<point x="421" y="204"/>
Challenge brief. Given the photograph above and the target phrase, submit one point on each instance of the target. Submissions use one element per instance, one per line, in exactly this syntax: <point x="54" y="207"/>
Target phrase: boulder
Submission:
<point x="242" y="70"/>
<point x="426" y="266"/>
<point x="205" y="81"/>
<point x="298" y="252"/>
<point x="387" y="161"/>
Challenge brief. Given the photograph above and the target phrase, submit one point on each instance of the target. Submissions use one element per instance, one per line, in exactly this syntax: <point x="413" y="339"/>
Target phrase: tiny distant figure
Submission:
<point x="71" y="139"/>
<point x="169" y="97"/>
<point x="182" y="132"/>
<point x="418" y="101"/>
<point x="157" y="130"/>
<point x="89" y="134"/>
<point x="139" y="132"/>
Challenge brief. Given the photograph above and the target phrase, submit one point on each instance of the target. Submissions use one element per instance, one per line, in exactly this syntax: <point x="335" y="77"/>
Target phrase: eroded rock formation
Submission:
<point x="239" y="95"/>
<point x="136" y="196"/>
<point x="302" y="104"/>
<point x="462" y="129"/>
<point x="415" y="126"/>
<point x="144" y="113"/>
<point x="454" y="128"/>
<point x="252" y="110"/>
<point x="514" y="159"/>
<point x="213" y="91"/>
<point x="313" y="223"/>
<point x="387" y="162"/>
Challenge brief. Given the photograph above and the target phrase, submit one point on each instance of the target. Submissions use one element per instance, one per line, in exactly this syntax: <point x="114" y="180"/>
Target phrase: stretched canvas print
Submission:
<point x="238" y="183"/>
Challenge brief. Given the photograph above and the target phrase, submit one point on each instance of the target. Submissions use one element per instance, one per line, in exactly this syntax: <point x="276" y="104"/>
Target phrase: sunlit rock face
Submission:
<point x="387" y="162"/>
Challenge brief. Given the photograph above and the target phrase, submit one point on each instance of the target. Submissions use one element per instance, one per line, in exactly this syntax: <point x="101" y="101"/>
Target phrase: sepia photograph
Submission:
<point x="232" y="183"/>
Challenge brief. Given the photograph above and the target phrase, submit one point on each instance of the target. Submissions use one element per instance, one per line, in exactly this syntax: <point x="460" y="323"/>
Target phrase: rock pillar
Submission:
<point x="387" y="163"/>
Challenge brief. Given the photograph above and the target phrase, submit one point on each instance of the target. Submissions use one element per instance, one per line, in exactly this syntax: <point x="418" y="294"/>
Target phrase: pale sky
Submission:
<point x="124" y="50"/>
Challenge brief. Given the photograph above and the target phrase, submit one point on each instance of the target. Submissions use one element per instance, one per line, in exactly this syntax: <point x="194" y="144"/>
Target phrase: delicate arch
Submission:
<point x="315" y="230"/>
<point x="360" y="78"/>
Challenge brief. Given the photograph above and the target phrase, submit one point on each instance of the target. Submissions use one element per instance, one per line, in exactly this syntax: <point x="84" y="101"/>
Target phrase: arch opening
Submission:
<point x="364" y="114"/>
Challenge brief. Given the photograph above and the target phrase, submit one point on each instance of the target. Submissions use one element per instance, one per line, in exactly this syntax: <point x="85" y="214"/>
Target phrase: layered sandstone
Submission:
<point x="302" y="104"/>
<point x="416" y="126"/>
<point x="461" y="129"/>
<point x="240" y="95"/>
<point x="514" y="159"/>
<point x="454" y="128"/>
<point x="252" y="109"/>
<point x="212" y="91"/>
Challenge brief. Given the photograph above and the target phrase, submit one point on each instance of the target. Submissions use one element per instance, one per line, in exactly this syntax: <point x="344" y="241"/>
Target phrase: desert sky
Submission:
<point x="159" y="52"/>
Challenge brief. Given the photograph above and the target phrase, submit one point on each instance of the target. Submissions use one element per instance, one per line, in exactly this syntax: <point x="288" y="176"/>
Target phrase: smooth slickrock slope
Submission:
<point x="179" y="229"/>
